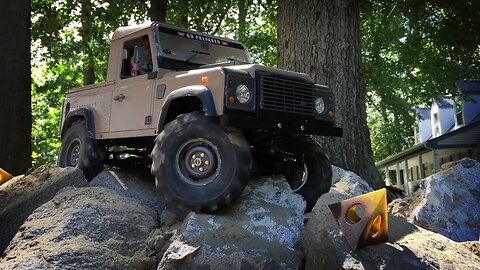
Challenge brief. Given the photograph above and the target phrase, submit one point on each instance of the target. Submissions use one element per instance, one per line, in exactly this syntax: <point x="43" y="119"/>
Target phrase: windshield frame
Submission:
<point x="171" y="63"/>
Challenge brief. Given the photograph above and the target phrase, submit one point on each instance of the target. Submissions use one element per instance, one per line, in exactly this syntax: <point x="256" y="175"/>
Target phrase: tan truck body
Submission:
<point x="126" y="117"/>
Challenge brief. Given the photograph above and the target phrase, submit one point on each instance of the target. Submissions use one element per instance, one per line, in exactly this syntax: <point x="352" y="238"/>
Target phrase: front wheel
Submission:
<point x="307" y="168"/>
<point x="200" y="164"/>
<point x="78" y="150"/>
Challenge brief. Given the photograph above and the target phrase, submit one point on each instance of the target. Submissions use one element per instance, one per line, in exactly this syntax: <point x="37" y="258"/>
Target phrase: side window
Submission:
<point x="127" y="53"/>
<point x="136" y="57"/>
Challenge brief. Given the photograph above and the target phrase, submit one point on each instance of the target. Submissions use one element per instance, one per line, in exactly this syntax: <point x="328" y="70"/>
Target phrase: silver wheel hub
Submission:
<point x="304" y="178"/>
<point x="73" y="154"/>
<point x="199" y="161"/>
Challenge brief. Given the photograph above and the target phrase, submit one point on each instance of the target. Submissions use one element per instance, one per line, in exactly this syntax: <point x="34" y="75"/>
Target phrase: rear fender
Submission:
<point x="78" y="114"/>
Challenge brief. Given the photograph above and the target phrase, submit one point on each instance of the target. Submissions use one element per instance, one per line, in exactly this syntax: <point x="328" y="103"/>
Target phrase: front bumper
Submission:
<point x="283" y="126"/>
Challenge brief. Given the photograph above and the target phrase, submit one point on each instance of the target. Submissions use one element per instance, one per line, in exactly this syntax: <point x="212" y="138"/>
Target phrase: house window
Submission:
<point x="436" y="125"/>
<point x="458" y="112"/>
<point x="416" y="131"/>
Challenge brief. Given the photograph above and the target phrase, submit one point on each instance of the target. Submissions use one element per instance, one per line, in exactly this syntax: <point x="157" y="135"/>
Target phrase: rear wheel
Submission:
<point x="200" y="164"/>
<point x="80" y="151"/>
<point x="306" y="167"/>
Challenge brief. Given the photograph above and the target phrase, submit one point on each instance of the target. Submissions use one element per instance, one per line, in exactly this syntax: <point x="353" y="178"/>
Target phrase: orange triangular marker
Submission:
<point x="363" y="219"/>
<point x="4" y="176"/>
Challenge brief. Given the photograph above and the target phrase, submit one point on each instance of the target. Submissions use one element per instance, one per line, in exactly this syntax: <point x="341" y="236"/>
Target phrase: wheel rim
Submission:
<point x="297" y="176"/>
<point x="73" y="153"/>
<point x="198" y="161"/>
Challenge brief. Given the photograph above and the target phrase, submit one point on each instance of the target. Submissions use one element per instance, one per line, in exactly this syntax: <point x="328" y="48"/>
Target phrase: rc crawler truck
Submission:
<point x="194" y="108"/>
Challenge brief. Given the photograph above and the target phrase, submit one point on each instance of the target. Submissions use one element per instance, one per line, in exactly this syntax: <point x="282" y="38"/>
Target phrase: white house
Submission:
<point x="448" y="131"/>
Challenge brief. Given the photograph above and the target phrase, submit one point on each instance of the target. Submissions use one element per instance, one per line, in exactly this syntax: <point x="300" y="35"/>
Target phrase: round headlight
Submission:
<point x="243" y="93"/>
<point x="320" y="105"/>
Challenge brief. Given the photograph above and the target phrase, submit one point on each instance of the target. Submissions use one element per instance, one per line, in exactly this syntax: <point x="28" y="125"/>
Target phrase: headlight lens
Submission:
<point x="320" y="105"/>
<point x="243" y="93"/>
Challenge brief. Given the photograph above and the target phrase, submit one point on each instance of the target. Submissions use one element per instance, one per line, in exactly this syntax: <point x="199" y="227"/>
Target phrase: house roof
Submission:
<point x="468" y="87"/>
<point x="423" y="112"/>
<point x="443" y="103"/>
<point x="466" y="136"/>
<point x="476" y="118"/>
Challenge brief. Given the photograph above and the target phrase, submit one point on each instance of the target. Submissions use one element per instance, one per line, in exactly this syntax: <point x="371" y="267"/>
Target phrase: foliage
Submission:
<point x="411" y="54"/>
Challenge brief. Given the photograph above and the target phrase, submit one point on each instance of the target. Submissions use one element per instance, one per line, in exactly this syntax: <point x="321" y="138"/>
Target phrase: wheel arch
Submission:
<point x="84" y="113"/>
<point x="185" y="100"/>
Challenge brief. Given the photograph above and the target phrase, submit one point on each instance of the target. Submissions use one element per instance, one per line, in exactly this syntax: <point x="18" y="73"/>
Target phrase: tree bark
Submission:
<point x="183" y="17"/>
<point x="158" y="10"/>
<point x="86" y="33"/>
<point x="322" y="38"/>
<point x="242" y="15"/>
<point x="15" y="96"/>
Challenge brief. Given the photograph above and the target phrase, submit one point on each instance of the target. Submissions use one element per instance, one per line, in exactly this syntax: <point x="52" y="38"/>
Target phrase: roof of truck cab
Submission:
<point x="128" y="30"/>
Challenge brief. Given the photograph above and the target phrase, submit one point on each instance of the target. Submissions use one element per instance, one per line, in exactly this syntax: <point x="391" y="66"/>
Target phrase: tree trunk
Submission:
<point x="15" y="108"/>
<point x="183" y="17"/>
<point x="158" y="10"/>
<point x="242" y="15"/>
<point x="86" y="34"/>
<point x="322" y="38"/>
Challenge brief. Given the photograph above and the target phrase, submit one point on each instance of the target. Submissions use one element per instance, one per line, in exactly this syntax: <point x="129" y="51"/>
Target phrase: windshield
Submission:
<point x="195" y="50"/>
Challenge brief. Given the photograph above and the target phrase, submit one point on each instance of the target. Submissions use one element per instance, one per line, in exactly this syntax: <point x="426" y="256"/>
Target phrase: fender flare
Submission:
<point x="79" y="113"/>
<point x="202" y="92"/>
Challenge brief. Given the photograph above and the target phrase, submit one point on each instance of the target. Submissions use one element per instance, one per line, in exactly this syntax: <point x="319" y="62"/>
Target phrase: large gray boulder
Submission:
<point x="409" y="246"/>
<point x="348" y="182"/>
<point x="447" y="202"/>
<point x="139" y="184"/>
<point x="23" y="194"/>
<point x="84" y="228"/>
<point x="261" y="231"/>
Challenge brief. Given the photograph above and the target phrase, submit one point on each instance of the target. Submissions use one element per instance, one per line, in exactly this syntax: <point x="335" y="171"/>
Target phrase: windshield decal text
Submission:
<point x="201" y="38"/>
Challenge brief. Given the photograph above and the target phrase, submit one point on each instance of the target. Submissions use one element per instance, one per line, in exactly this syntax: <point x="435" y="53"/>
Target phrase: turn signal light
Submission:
<point x="204" y="79"/>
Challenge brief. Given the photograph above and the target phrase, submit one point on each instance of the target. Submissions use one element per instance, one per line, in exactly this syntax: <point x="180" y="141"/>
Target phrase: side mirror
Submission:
<point x="138" y="54"/>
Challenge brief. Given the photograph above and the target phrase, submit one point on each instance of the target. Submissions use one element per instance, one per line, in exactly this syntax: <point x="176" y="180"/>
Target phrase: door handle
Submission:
<point x="119" y="97"/>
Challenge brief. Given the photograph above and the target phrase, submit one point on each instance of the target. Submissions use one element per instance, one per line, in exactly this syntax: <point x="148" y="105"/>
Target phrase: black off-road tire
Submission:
<point x="177" y="159"/>
<point x="317" y="164"/>
<point x="80" y="151"/>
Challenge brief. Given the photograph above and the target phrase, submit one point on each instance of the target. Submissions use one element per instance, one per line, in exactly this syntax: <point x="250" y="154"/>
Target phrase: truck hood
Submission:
<point x="252" y="68"/>
<point x="249" y="68"/>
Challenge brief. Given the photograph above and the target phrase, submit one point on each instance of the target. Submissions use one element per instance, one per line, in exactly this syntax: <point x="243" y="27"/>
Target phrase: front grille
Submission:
<point x="278" y="94"/>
